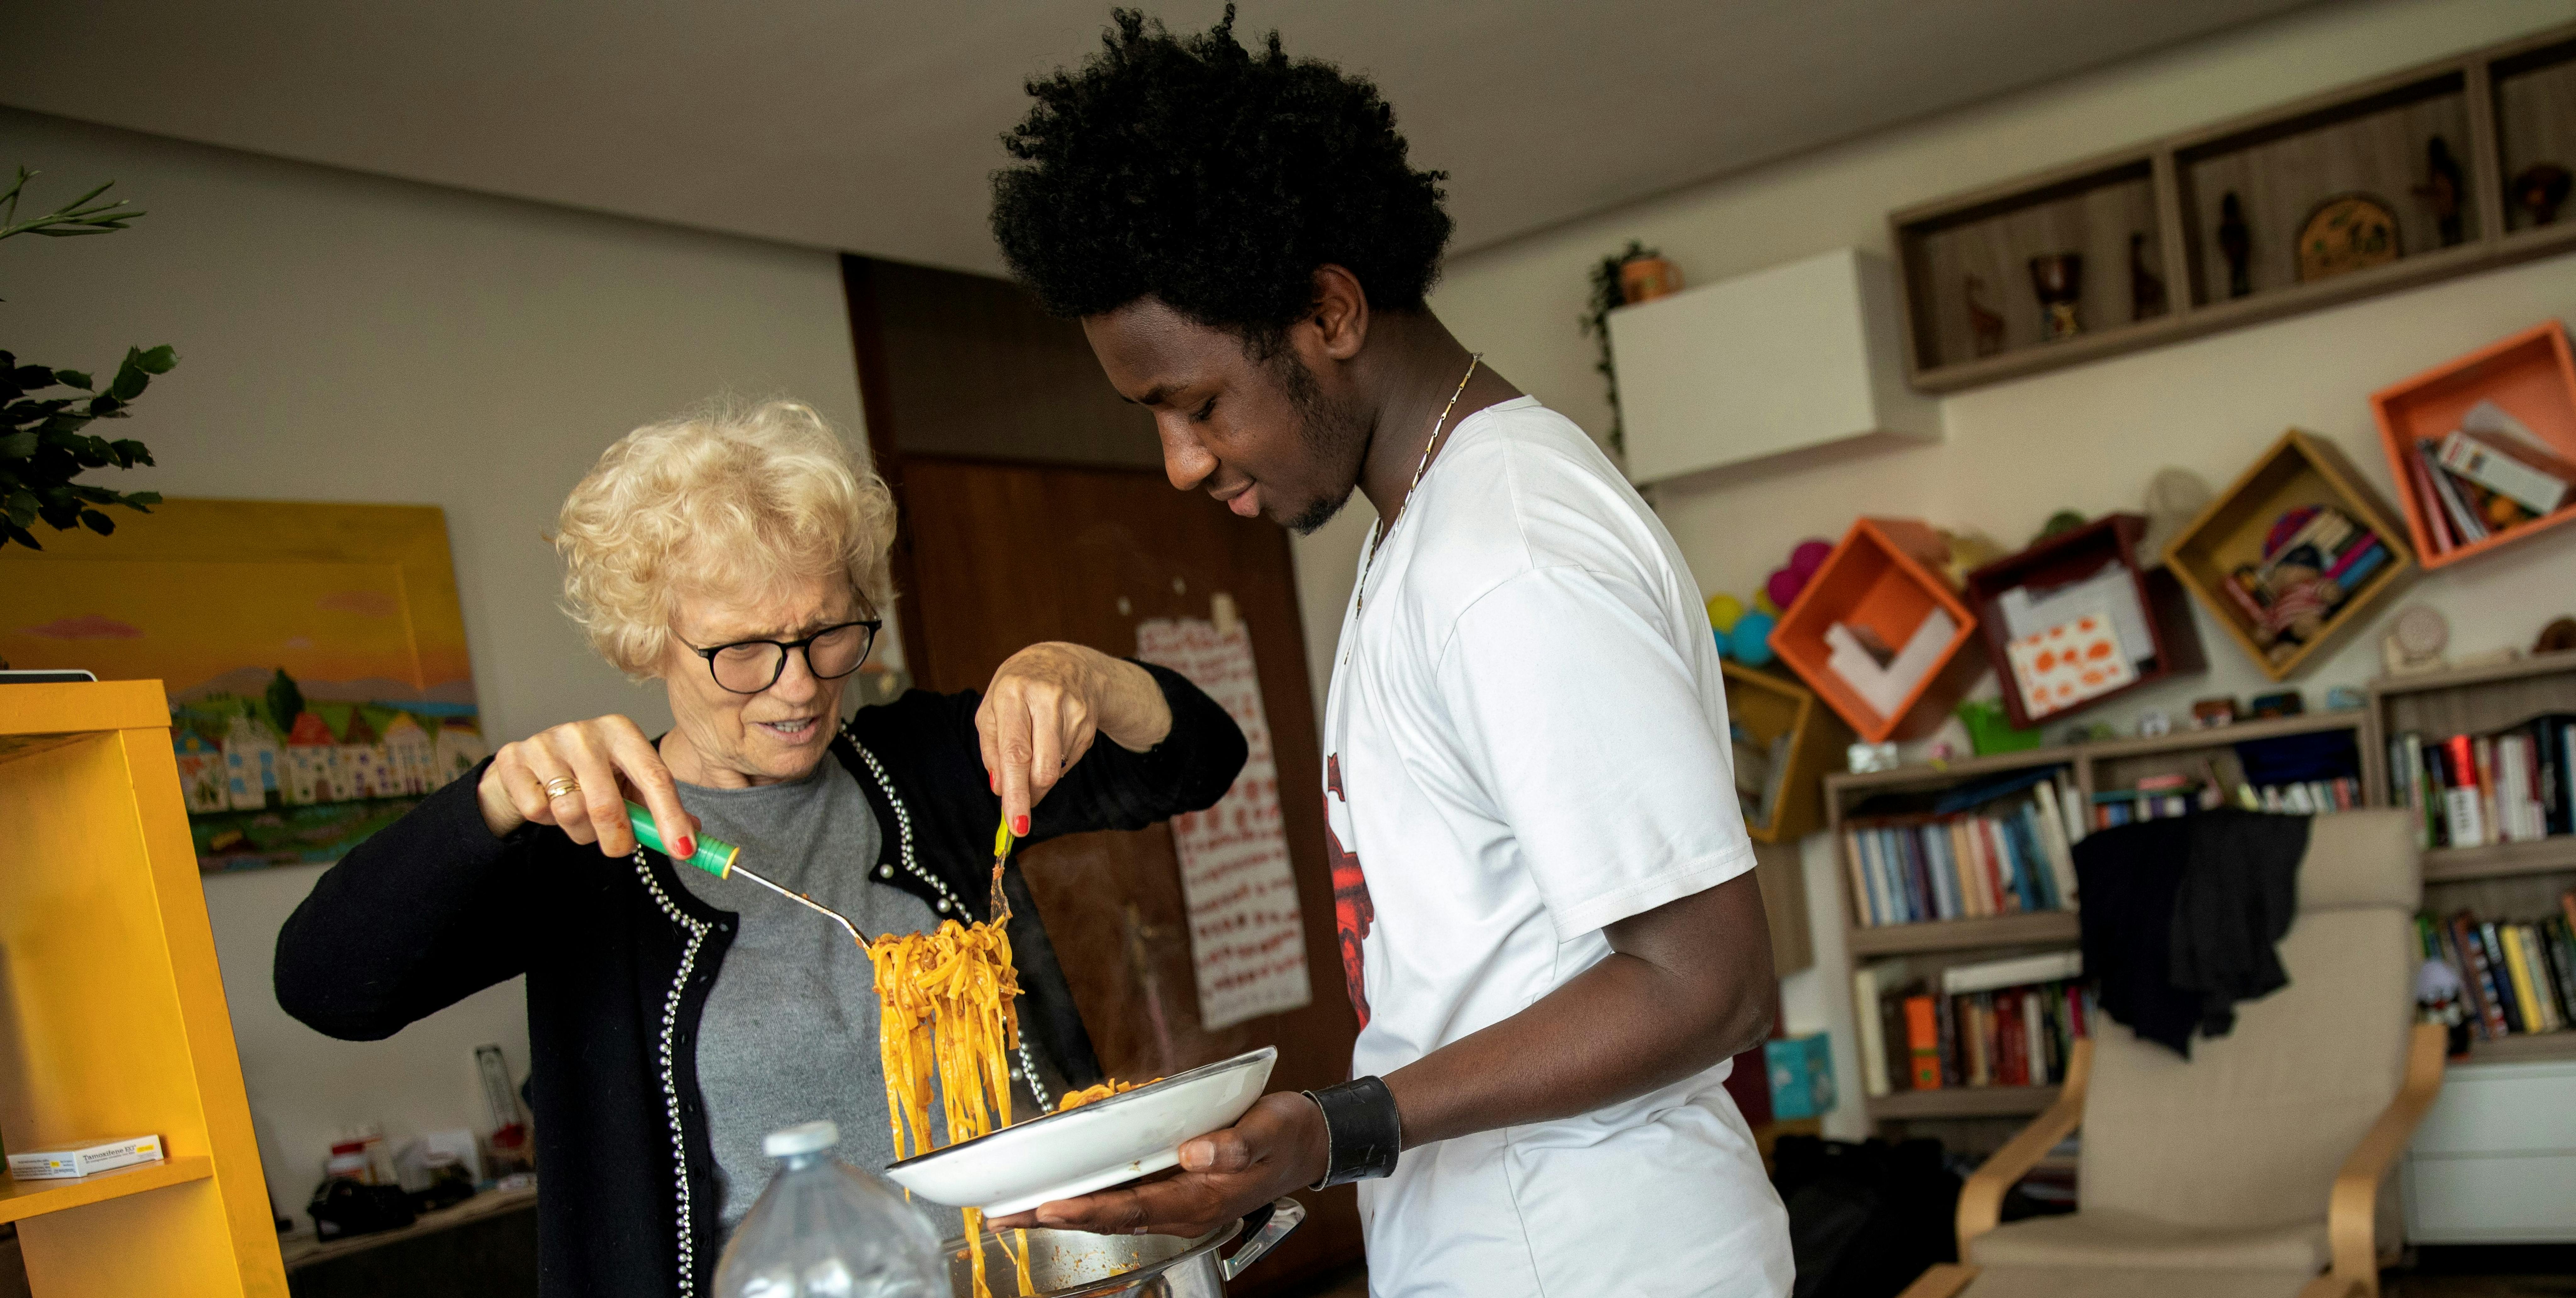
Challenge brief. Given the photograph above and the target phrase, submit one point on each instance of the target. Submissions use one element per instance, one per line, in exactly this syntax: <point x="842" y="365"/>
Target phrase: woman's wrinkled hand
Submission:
<point x="611" y="761"/>
<point x="1278" y="1146"/>
<point x="1045" y="706"/>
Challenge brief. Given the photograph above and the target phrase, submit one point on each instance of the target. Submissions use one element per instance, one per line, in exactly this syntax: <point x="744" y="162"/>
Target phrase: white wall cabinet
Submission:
<point x="1783" y="367"/>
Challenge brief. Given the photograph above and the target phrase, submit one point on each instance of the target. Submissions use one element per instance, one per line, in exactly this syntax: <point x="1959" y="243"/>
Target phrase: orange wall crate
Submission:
<point x="2531" y="375"/>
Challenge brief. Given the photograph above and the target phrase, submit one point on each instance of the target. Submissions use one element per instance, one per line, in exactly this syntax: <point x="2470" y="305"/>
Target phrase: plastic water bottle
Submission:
<point x="824" y="1229"/>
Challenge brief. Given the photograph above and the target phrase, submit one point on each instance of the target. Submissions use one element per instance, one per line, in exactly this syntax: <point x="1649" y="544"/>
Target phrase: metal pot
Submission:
<point x="1073" y="1264"/>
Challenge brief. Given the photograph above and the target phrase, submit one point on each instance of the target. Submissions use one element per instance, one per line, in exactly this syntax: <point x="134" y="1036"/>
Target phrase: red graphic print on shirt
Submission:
<point x="1352" y="912"/>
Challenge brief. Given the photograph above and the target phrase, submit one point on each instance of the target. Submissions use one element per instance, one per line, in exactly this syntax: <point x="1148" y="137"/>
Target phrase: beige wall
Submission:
<point x="347" y="338"/>
<point x="2085" y="438"/>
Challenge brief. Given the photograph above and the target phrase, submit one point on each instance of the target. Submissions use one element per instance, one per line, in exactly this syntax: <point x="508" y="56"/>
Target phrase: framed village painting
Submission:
<point x="314" y="656"/>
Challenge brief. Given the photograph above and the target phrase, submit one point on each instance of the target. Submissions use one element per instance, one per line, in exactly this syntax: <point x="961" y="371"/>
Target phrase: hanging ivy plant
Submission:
<point x="1606" y="296"/>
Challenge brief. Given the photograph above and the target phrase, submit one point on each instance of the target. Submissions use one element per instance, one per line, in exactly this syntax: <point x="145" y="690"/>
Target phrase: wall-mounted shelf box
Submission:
<point x="2499" y="110"/>
<point x="2071" y="556"/>
<point x="1885" y="576"/>
<point x="2530" y="375"/>
<point x="1770" y="370"/>
<point x="1768" y="706"/>
<point x="2300" y="469"/>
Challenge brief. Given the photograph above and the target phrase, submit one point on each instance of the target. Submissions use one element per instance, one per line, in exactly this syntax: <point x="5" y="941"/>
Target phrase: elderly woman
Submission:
<point x="739" y="557"/>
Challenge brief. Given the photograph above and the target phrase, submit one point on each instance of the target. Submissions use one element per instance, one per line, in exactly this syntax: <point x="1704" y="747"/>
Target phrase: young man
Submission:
<point x="1551" y="933"/>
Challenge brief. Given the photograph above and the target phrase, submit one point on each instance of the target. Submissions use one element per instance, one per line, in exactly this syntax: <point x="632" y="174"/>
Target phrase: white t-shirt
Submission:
<point x="1526" y="741"/>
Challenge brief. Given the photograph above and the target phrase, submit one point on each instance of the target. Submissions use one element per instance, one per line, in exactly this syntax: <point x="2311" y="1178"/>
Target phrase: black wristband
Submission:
<point x="1361" y="1130"/>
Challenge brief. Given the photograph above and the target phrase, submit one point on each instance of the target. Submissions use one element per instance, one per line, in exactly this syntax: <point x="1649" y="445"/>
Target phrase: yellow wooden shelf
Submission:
<point x="112" y="1011"/>
<point x="20" y="1200"/>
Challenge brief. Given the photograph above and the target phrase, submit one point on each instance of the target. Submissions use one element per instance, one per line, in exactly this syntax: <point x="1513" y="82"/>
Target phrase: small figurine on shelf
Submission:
<point x="2302" y="596"/>
<point x="2344" y="698"/>
<point x="2557" y="637"/>
<point x="2415" y="641"/>
<point x="2154" y="724"/>
<point x="2146" y="288"/>
<point x="2213" y="712"/>
<point x="2440" y="996"/>
<point x="2279" y="703"/>
<point x="2058" y="278"/>
<point x="1985" y="324"/>
<point x="2236" y="243"/>
<point x="2064" y="520"/>
<point x="2539" y="190"/>
<point x="2441" y="189"/>
<point x="2314" y="558"/>
<point x="1861" y="759"/>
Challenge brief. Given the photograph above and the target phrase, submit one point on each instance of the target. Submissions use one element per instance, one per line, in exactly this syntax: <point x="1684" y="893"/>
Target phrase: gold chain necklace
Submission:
<point x="1380" y="530"/>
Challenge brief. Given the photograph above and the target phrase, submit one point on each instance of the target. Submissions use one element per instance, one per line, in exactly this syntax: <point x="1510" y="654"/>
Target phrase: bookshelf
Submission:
<point x="124" y="1030"/>
<point x="2516" y="881"/>
<point x="2092" y="767"/>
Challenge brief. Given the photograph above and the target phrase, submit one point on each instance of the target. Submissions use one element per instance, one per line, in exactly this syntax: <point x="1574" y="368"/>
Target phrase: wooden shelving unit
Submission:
<point x="1962" y="1102"/>
<point x="1884" y="576"/>
<point x="2531" y="376"/>
<point x="112" y="1016"/>
<point x="2498" y="109"/>
<point x="2074" y="556"/>
<point x="2300" y="469"/>
<point x="1769" y="706"/>
<point x="2093" y="767"/>
<point x="2498" y="881"/>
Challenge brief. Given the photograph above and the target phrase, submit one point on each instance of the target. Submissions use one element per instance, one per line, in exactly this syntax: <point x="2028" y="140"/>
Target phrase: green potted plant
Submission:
<point x="44" y="410"/>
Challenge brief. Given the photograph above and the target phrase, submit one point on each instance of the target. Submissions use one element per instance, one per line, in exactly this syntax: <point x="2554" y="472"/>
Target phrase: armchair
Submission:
<point x="2258" y="1168"/>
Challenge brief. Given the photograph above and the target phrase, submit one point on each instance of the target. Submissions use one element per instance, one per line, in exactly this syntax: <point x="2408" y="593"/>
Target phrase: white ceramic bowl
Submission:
<point x="1099" y="1145"/>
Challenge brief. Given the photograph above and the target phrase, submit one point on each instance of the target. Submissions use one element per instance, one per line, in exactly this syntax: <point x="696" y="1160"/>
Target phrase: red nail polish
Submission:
<point x="1020" y="827"/>
<point x="994" y="780"/>
<point x="685" y="848"/>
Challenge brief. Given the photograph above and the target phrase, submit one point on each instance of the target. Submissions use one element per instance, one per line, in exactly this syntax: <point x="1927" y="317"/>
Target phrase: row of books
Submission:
<point x="2517" y="785"/>
<point x="2008" y="1022"/>
<point x="2009" y="857"/>
<point x="2519" y="978"/>
<point x="2473" y="484"/>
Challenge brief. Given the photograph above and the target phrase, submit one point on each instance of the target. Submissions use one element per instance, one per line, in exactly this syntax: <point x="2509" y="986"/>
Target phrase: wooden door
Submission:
<point x="1003" y="554"/>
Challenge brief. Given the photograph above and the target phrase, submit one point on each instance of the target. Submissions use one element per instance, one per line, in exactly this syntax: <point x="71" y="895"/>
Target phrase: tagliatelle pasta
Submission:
<point x="946" y="1020"/>
<point x="1103" y="1091"/>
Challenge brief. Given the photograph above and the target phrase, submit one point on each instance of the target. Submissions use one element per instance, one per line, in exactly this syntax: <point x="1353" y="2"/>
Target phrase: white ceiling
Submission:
<point x="872" y="127"/>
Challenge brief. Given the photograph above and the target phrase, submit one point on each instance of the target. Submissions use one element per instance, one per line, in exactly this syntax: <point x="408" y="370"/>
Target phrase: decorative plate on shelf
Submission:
<point x="2347" y="232"/>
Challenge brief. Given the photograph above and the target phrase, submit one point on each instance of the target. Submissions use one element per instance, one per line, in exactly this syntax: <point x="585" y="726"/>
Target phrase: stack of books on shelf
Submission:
<point x="1993" y="848"/>
<point x="2157" y="797"/>
<point x="2488" y="476"/>
<point x="2520" y="978"/>
<point x="2517" y="785"/>
<point x="2009" y="1022"/>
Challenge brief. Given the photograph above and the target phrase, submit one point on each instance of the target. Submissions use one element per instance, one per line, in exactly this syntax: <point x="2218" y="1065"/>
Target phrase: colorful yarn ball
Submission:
<point x="1763" y="603"/>
<point x="1809" y="556"/>
<point x="1752" y="639"/>
<point x="1725" y="643"/>
<point x="1723" y="609"/>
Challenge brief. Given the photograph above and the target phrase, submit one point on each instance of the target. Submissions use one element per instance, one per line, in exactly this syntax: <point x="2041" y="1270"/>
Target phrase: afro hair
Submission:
<point x="1215" y="179"/>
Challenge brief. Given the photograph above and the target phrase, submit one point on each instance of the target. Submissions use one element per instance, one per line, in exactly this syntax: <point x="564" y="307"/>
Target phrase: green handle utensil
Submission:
<point x="724" y="861"/>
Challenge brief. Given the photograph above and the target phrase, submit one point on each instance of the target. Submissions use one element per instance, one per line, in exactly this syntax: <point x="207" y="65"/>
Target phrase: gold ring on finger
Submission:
<point x="560" y="786"/>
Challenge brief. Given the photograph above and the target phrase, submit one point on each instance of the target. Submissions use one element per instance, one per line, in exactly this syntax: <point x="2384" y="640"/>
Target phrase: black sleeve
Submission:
<point x="426" y="912"/>
<point x="1110" y="788"/>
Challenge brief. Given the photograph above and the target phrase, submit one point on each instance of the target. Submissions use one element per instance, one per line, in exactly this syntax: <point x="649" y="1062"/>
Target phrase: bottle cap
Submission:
<point x="803" y="1138"/>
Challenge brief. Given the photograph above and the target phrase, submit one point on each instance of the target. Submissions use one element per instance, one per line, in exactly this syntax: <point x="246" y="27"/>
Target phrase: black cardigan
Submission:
<point x="619" y="956"/>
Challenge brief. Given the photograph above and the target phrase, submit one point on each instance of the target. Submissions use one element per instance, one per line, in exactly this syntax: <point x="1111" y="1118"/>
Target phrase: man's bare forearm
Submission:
<point x="1686" y="985"/>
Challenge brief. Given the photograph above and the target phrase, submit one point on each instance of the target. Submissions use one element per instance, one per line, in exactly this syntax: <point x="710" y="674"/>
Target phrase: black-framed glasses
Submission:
<point x="750" y="666"/>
